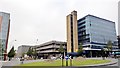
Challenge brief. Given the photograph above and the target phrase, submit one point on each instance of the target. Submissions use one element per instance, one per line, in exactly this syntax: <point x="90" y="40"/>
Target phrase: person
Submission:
<point x="22" y="59"/>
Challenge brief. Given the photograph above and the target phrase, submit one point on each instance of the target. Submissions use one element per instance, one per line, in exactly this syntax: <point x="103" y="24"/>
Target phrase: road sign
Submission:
<point x="66" y="57"/>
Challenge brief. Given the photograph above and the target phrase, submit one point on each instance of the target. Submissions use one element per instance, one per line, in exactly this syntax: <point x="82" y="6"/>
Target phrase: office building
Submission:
<point x="4" y="34"/>
<point x="119" y="41"/>
<point x="48" y="49"/>
<point x="72" y="32"/>
<point x="23" y="49"/>
<point x="93" y="32"/>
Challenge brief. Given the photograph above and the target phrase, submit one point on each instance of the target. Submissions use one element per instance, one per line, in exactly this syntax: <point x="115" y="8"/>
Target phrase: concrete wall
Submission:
<point x="72" y="32"/>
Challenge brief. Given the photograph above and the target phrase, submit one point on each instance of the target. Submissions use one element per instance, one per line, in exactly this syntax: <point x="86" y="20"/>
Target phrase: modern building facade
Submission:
<point x="4" y="34"/>
<point x="23" y="49"/>
<point x="72" y="32"/>
<point x="119" y="41"/>
<point x="93" y="32"/>
<point x="50" y="48"/>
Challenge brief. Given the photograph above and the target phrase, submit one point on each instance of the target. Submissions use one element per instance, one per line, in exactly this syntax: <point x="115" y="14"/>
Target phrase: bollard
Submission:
<point x="67" y="62"/>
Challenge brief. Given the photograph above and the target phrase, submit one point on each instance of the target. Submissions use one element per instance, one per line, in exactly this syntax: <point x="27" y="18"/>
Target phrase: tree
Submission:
<point x="109" y="46"/>
<point x="61" y="50"/>
<point x="0" y="48"/>
<point x="80" y="49"/>
<point x="103" y="53"/>
<point x="11" y="53"/>
<point x="35" y="53"/>
<point x="30" y="52"/>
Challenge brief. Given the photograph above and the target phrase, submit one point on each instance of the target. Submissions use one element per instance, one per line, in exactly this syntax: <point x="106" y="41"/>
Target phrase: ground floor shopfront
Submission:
<point x="85" y="53"/>
<point x="90" y="53"/>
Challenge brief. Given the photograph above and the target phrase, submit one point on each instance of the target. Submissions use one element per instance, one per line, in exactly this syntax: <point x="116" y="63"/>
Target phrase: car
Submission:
<point x="115" y="55"/>
<point x="53" y="58"/>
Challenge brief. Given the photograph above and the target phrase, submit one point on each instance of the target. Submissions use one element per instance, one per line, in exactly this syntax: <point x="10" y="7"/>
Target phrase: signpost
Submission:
<point x="66" y="57"/>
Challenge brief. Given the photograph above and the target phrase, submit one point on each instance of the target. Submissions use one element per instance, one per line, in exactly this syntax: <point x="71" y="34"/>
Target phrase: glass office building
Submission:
<point x="4" y="33"/>
<point x="95" y="32"/>
<point x="119" y="41"/>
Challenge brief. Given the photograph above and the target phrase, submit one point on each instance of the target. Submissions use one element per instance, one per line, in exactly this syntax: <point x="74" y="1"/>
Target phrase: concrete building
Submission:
<point x="4" y="34"/>
<point x="50" y="48"/>
<point x="93" y="32"/>
<point x="23" y="49"/>
<point x="72" y="32"/>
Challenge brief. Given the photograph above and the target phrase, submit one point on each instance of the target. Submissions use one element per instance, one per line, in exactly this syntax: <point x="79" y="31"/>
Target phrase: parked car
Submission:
<point x="115" y="55"/>
<point x="53" y="58"/>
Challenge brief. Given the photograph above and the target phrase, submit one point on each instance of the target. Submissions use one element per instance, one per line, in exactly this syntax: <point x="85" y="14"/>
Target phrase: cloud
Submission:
<point x="46" y="19"/>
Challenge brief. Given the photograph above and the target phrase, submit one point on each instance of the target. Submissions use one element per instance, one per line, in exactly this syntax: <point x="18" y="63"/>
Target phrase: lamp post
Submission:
<point x="36" y="55"/>
<point x="36" y="41"/>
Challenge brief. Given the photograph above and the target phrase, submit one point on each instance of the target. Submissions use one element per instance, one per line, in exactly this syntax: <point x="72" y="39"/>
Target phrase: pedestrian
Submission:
<point x="22" y="59"/>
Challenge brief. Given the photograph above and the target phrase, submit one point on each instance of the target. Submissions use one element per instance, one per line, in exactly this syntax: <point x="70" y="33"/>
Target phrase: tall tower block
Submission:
<point x="72" y="32"/>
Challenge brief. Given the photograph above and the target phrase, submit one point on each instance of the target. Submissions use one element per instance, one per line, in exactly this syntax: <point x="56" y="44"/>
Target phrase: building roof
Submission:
<point x="4" y="12"/>
<point x="50" y="42"/>
<point x="25" y="46"/>
<point x="95" y="17"/>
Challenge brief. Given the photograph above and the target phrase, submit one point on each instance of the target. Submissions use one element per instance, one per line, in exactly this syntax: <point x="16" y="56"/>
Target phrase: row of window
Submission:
<point x="101" y="22"/>
<point x="50" y="44"/>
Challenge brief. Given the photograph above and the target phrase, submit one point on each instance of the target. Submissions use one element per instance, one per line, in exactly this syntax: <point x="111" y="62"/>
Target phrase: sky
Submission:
<point x="45" y="20"/>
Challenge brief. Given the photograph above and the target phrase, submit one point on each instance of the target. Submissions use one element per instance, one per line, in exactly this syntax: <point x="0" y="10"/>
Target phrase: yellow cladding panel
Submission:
<point x="75" y="31"/>
<point x="76" y="50"/>
<point x="68" y="33"/>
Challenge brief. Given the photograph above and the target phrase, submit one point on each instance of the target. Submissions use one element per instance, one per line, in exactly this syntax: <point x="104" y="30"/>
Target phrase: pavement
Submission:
<point x="112" y="64"/>
<point x="0" y="64"/>
<point x="15" y="62"/>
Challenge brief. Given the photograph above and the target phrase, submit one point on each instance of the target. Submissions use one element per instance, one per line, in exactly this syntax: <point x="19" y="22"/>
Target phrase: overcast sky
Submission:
<point x="45" y="20"/>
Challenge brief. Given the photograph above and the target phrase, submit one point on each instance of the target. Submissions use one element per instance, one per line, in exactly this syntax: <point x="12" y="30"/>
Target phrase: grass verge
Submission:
<point x="74" y="62"/>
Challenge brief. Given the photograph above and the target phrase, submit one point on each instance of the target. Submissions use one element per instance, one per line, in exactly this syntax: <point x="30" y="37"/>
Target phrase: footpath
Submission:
<point x="114" y="62"/>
